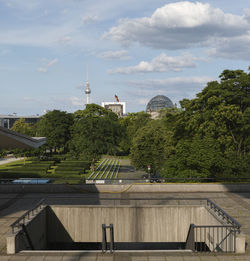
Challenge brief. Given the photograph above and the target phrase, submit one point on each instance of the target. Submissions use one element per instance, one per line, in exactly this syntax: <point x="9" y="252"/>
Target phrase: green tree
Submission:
<point x="55" y="126"/>
<point x="220" y="111"/>
<point x="95" y="131"/>
<point x="195" y="158"/>
<point x="211" y="133"/>
<point x="130" y="126"/>
<point x="23" y="127"/>
<point x="151" y="145"/>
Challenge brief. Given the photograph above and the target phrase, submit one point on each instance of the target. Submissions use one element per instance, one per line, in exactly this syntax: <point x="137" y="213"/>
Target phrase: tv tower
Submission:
<point x="87" y="90"/>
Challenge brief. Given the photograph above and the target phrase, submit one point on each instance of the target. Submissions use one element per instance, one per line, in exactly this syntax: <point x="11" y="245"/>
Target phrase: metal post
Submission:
<point x="111" y="227"/>
<point x="104" y="238"/>
<point x="25" y="231"/>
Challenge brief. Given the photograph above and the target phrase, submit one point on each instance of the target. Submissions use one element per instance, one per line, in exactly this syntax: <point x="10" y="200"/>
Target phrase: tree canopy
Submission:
<point x="55" y="126"/>
<point x="95" y="131"/>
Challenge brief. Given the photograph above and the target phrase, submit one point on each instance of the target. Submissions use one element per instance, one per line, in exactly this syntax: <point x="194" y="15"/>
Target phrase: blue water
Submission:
<point x="31" y="181"/>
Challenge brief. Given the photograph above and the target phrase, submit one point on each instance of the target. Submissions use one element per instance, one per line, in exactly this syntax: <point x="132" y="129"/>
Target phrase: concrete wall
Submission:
<point x="131" y="224"/>
<point x="85" y="188"/>
<point x="37" y="229"/>
<point x="161" y="223"/>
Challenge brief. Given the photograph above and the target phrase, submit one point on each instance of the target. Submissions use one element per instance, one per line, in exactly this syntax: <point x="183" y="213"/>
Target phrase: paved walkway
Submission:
<point x="12" y="206"/>
<point x="128" y="172"/>
<point x="8" y="160"/>
<point x="125" y="257"/>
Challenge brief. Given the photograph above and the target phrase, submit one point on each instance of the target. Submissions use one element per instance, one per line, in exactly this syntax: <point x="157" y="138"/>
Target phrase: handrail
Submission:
<point x="111" y="166"/>
<point x="103" y="172"/>
<point x="220" y="235"/>
<point x="118" y="168"/>
<point x="21" y="220"/>
<point x="111" y="176"/>
<point x="221" y="212"/>
<point x="100" y="164"/>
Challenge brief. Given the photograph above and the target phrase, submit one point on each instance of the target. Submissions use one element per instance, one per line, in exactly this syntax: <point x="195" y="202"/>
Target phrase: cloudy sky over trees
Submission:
<point x="134" y="49"/>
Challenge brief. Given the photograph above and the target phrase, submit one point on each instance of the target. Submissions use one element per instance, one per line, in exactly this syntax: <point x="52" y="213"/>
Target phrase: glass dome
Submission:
<point x="159" y="102"/>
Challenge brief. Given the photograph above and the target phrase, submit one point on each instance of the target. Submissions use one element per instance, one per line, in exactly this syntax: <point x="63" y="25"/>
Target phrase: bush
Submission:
<point x="67" y="172"/>
<point x="18" y="175"/>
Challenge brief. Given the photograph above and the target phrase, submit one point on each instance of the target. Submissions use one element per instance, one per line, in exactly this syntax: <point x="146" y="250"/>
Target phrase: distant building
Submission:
<point x="157" y="103"/>
<point x="117" y="107"/>
<point x="10" y="139"/>
<point x="7" y="121"/>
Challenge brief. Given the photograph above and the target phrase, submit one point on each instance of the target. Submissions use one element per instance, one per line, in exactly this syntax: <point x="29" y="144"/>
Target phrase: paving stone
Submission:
<point x="174" y="258"/>
<point x="5" y="258"/>
<point x="208" y="258"/>
<point x="191" y="258"/>
<point x="88" y="258"/>
<point x="242" y="258"/>
<point x="105" y="258"/>
<point x="19" y="258"/>
<point x="36" y="258"/>
<point x="157" y="258"/>
<point x="70" y="258"/>
<point x="139" y="258"/>
<point x="53" y="258"/>
<point x="122" y="258"/>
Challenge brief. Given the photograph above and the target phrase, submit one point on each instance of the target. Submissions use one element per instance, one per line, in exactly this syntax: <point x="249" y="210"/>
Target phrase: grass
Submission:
<point x="14" y="164"/>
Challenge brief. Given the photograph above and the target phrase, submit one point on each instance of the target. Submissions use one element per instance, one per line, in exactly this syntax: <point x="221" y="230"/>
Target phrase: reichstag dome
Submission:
<point x="159" y="102"/>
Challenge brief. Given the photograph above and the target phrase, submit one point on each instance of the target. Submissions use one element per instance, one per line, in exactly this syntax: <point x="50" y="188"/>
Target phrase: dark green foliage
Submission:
<point x="55" y="126"/>
<point x="212" y="131"/>
<point x="196" y="158"/>
<point x="23" y="127"/>
<point x="17" y="175"/>
<point x="95" y="131"/>
<point x="151" y="146"/>
<point x="130" y="126"/>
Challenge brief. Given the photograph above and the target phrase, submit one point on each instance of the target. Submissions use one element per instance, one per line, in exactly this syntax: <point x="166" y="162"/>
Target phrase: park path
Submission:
<point x="9" y="160"/>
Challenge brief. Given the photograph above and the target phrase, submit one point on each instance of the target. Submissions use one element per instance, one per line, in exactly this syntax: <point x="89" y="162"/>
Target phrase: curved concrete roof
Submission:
<point x="11" y="139"/>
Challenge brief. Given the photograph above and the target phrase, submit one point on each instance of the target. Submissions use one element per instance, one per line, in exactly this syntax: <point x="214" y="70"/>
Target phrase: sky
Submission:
<point x="134" y="49"/>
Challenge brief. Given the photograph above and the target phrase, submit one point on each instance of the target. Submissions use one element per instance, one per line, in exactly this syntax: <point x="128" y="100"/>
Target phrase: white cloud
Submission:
<point x="64" y="40"/>
<point x="236" y="48"/>
<point x="161" y="63"/>
<point x="89" y="19"/>
<point x="179" y="25"/>
<point x="26" y="5"/>
<point x="42" y="70"/>
<point x="50" y="63"/>
<point x="115" y="55"/>
<point x="177" y="87"/>
<point x="174" y="81"/>
<point x="76" y="101"/>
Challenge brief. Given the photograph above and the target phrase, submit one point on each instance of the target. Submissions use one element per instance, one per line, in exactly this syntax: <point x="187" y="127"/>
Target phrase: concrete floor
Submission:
<point x="13" y="206"/>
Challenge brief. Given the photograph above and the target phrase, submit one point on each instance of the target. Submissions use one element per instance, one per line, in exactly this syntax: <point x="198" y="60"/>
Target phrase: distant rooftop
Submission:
<point x="11" y="139"/>
<point x="159" y="102"/>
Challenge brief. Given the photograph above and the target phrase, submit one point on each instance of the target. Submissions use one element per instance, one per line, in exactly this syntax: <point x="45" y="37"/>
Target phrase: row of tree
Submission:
<point x="207" y="137"/>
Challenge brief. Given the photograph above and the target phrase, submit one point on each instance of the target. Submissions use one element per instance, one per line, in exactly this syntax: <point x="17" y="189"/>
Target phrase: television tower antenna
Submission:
<point x="87" y="90"/>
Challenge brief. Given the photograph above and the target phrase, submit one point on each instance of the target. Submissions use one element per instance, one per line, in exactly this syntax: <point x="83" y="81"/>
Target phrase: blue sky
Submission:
<point x="134" y="49"/>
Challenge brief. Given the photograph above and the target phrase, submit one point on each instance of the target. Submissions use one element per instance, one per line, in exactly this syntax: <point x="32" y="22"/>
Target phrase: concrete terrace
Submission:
<point x="13" y="206"/>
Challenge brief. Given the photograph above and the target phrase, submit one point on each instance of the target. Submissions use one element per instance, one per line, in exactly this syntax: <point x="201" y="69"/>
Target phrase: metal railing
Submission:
<point x="27" y="215"/>
<point x="211" y="206"/>
<point x="215" y="238"/>
<point x="104" y="238"/>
